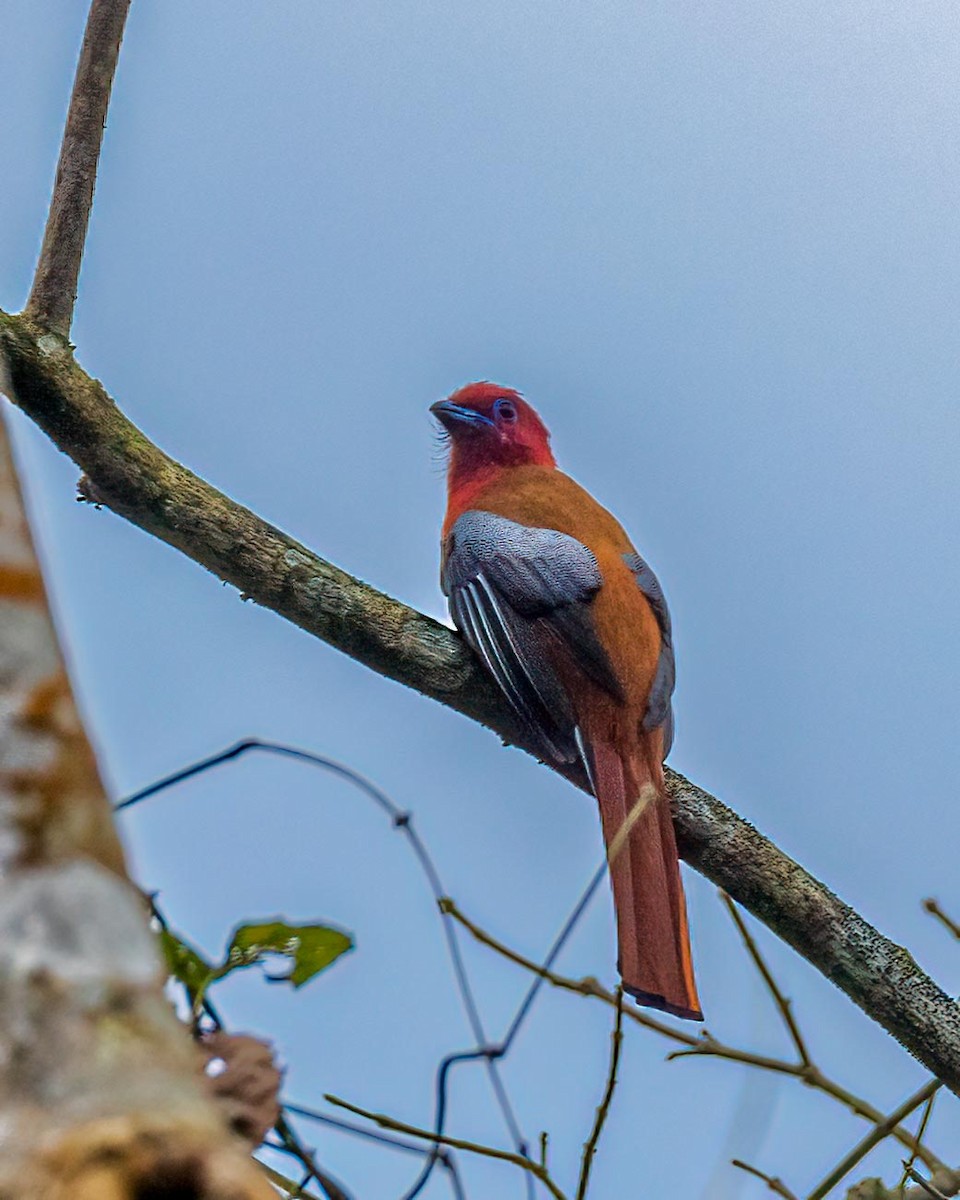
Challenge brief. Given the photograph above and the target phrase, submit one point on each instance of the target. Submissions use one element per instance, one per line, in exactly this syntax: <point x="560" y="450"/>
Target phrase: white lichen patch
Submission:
<point x="28" y="653"/>
<point x="23" y="749"/>
<point x="296" y="558"/>
<point x="15" y="548"/>
<point x="215" y="1067"/>
<point x="77" y="923"/>
<point x="50" y="344"/>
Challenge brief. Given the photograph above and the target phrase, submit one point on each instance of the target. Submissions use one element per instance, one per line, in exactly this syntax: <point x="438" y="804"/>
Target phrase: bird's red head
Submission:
<point x="490" y="427"/>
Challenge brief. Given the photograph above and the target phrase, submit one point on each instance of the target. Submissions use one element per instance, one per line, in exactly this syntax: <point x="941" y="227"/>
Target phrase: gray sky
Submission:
<point x="716" y="245"/>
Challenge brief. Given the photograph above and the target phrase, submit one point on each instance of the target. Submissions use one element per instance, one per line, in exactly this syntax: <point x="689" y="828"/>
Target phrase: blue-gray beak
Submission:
<point x="451" y="415"/>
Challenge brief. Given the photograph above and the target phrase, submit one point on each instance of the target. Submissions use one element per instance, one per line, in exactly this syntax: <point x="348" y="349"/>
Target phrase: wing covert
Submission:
<point x="519" y="595"/>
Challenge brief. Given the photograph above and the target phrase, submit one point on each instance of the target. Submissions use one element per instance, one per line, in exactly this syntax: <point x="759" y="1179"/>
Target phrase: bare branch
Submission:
<point x="775" y="1185"/>
<point x="877" y="974"/>
<point x="943" y="1183"/>
<point x="881" y="1130"/>
<point x="603" y="1110"/>
<point x="781" y="1001"/>
<point x="702" y="1044"/>
<point x="54" y="291"/>
<point x="921" y="1133"/>
<point x="583" y="987"/>
<point x="139" y="482"/>
<point x="924" y="1185"/>
<point x="294" y="1146"/>
<point x="518" y="1160"/>
<point x="283" y="1183"/>
<point x="934" y="909"/>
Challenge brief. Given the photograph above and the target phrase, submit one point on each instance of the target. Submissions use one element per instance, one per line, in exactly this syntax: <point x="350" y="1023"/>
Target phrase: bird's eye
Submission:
<point x="505" y="410"/>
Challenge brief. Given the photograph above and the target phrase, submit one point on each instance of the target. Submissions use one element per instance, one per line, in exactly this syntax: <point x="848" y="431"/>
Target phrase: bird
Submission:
<point x="572" y="624"/>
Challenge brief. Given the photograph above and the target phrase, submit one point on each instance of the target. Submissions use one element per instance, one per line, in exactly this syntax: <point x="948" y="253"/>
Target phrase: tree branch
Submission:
<point x="590" y="1149"/>
<point x="943" y="1184"/>
<point x="784" y="1006"/>
<point x="873" y="1138"/>
<point x="54" y="291"/>
<point x="130" y="475"/>
<point x="924" y="1186"/>
<point x="518" y="1160"/>
<point x="703" y="1044"/>
<point x="933" y="908"/>
<point x="921" y="1133"/>
<point x="777" y="1186"/>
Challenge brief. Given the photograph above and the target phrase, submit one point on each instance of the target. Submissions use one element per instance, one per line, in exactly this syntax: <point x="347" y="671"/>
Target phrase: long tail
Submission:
<point x="654" y="942"/>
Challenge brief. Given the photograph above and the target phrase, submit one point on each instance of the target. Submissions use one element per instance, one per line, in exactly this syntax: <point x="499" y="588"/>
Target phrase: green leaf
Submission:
<point x="312" y="948"/>
<point x="185" y="964"/>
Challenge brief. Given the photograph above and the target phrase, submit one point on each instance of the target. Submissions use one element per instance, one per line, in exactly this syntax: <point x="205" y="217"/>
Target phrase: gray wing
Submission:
<point x="659" y="708"/>
<point x="521" y="595"/>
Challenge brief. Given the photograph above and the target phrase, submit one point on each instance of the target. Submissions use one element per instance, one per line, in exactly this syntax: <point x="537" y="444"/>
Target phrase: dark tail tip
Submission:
<point x="653" y="1000"/>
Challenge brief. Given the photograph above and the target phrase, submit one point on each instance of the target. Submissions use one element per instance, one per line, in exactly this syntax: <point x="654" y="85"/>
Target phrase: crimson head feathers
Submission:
<point x="491" y="426"/>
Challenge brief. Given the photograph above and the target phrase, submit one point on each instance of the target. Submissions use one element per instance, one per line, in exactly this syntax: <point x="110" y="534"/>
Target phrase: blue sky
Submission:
<point x="716" y="245"/>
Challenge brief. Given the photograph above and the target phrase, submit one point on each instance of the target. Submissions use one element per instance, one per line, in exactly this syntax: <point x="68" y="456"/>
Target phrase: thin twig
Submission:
<point x="279" y="1180"/>
<point x="583" y="987"/>
<point x="876" y="1135"/>
<point x="781" y="1001"/>
<point x="445" y="1158"/>
<point x="702" y="1044"/>
<point x="54" y="290"/>
<point x="932" y="907"/>
<point x="773" y="1183"/>
<point x="360" y="1131"/>
<point x="924" y="1184"/>
<point x="518" y="1160"/>
<point x="442" y="1087"/>
<point x="603" y="1110"/>
<point x="294" y="1146"/>
<point x="921" y="1130"/>
<point x="526" y="1004"/>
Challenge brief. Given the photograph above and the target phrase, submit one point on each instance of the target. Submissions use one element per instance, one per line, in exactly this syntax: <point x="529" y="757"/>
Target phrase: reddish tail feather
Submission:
<point x="654" y="943"/>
